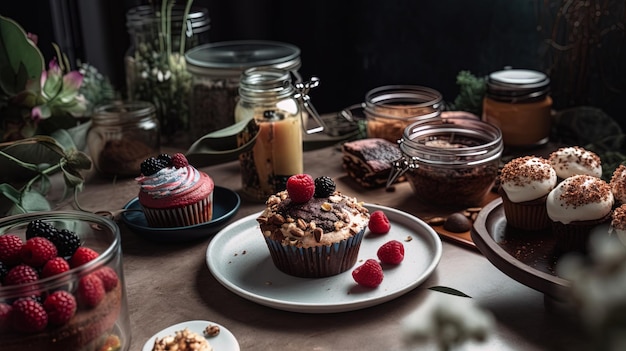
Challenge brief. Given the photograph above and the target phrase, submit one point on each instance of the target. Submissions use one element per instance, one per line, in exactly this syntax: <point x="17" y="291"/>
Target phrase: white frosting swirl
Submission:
<point x="573" y="160"/>
<point x="527" y="178"/>
<point x="579" y="198"/>
<point x="169" y="181"/>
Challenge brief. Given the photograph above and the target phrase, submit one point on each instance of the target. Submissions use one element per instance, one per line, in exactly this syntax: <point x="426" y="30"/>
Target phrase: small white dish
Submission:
<point x="224" y="341"/>
<point x="239" y="259"/>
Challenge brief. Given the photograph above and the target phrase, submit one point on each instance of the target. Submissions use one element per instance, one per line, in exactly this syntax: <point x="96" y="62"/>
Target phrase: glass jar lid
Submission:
<point x="518" y="85"/>
<point x="231" y="58"/>
<point x="404" y="102"/>
<point x="456" y="141"/>
<point x="122" y="111"/>
<point x="197" y="20"/>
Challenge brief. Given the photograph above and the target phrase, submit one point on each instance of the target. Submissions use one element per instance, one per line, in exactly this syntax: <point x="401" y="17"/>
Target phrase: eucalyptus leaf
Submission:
<point x="72" y="178"/>
<point x="33" y="201"/>
<point x="20" y="59"/>
<point x="222" y="145"/>
<point x="10" y="192"/>
<point x="447" y="290"/>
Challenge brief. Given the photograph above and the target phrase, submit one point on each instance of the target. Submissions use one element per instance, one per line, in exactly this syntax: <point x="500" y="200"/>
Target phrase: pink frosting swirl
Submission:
<point x="174" y="187"/>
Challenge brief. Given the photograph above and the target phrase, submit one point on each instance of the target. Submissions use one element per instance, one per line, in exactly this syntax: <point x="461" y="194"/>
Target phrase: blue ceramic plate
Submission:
<point x="225" y="204"/>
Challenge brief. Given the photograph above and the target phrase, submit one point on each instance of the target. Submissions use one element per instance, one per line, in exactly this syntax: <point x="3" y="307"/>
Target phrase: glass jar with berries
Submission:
<point x="62" y="283"/>
<point x="121" y="136"/>
<point x="280" y="110"/>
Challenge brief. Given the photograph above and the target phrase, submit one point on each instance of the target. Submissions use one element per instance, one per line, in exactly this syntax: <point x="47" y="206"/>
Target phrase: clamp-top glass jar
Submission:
<point x="268" y="96"/>
<point x="216" y="70"/>
<point x="452" y="162"/>
<point x="122" y="135"/>
<point x="389" y="109"/>
<point x="518" y="102"/>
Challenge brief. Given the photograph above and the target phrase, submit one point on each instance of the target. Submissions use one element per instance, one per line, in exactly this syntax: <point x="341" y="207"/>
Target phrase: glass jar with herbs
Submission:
<point x="155" y="64"/>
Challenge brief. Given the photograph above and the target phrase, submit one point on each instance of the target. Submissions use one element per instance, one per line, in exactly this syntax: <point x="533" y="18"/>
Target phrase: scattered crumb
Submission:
<point x="244" y="252"/>
<point x="268" y="283"/>
<point x="211" y="330"/>
<point x="408" y="238"/>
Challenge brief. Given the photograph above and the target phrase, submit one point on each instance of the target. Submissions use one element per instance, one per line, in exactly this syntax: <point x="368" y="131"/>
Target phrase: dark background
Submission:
<point x="354" y="46"/>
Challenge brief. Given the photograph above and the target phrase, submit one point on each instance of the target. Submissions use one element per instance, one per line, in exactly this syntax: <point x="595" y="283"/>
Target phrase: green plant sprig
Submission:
<point x="31" y="196"/>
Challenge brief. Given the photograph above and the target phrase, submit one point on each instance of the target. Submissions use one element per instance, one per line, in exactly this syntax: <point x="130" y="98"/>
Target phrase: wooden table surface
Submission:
<point x="171" y="283"/>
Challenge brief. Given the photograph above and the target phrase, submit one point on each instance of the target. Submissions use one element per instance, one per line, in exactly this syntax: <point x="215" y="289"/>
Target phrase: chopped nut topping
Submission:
<point x="184" y="340"/>
<point x="301" y="223"/>
<point x="327" y="207"/>
<point x="278" y="219"/>
<point x="318" y="232"/>
<point x="297" y="232"/>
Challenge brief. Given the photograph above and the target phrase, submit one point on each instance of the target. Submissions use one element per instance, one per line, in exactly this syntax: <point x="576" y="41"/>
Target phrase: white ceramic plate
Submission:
<point x="224" y="341"/>
<point x="239" y="259"/>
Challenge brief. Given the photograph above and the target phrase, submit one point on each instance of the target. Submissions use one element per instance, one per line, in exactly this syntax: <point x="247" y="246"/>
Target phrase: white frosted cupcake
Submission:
<point x="574" y="160"/>
<point x="575" y="206"/>
<point x="618" y="184"/>
<point x="524" y="185"/>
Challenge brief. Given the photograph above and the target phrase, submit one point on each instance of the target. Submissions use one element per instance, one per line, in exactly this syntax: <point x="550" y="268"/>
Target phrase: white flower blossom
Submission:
<point x="598" y="287"/>
<point x="448" y="321"/>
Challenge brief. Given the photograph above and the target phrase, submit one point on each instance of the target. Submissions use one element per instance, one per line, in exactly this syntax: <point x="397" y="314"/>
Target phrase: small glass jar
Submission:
<point x="121" y="136"/>
<point x="216" y="70"/>
<point x="268" y="96"/>
<point x="518" y="102"/>
<point x="452" y="162"/>
<point x="389" y="109"/>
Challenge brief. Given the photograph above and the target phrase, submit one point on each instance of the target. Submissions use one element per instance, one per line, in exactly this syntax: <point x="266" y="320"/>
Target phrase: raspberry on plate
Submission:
<point x="300" y="188"/>
<point x="391" y="252"/>
<point x="379" y="223"/>
<point x="369" y="274"/>
<point x="60" y="306"/>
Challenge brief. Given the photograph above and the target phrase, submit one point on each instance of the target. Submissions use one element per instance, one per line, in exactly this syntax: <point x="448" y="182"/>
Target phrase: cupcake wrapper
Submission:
<point x="316" y="262"/>
<point x="196" y="213"/>
<point x="528" y="215"/>
<point x="575" y="235"/>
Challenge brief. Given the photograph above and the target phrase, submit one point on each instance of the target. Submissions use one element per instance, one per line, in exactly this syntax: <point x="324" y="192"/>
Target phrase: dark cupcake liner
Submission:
<point x="574" y="236"/>
<point x="528" y="215"/>
<point x="315" y="262"/>
<point x="196" y="213"/>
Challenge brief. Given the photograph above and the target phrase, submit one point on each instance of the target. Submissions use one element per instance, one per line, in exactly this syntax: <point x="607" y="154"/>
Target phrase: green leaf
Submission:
<point x="10" y="192"/>
<point x="34" y="201"/>
<point x="20" y="59"/>
<point x="447" y="290"/>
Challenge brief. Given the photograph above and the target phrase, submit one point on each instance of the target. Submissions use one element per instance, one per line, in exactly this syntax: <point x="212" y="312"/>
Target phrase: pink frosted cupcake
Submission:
<point x="174" y="193"/>
<point x="524" y="186"/>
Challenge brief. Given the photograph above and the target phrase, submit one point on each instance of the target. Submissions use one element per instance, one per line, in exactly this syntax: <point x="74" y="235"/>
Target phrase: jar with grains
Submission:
<point x="389" y="109"/>
<point x="216" y="70"/>
<point x="122" y="135"/>
<point x="518" y="102"/>
<point x="451" y="162"/>
<point x="268" y="96"/>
